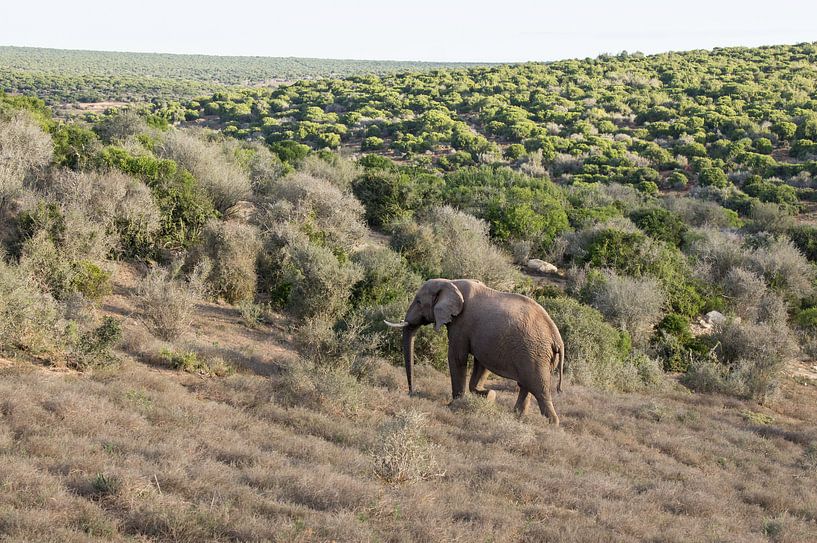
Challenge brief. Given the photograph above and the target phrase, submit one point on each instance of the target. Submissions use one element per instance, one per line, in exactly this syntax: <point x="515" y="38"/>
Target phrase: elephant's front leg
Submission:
<point x="458" y="366"/>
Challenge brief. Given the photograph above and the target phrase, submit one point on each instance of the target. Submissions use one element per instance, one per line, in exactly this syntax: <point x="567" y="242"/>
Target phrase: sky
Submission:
<point x="429" y="30"/>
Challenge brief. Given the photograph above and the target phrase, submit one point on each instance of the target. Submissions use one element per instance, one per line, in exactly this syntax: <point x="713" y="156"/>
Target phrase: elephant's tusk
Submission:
<point x="397" y="324"/>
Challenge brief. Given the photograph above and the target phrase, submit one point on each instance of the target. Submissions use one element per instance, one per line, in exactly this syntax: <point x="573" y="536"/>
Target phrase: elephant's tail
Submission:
<point x="561" y="362"/>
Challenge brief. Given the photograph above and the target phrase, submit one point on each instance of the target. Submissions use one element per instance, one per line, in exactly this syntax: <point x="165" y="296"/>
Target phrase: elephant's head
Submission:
<point x="437" y="301"/>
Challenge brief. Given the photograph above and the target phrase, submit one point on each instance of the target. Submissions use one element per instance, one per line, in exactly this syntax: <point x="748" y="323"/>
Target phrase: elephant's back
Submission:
<point x="516" y="323"/>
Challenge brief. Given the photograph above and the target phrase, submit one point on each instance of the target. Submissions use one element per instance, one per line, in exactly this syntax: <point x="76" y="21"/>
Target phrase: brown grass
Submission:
<point x="145" y="453"/>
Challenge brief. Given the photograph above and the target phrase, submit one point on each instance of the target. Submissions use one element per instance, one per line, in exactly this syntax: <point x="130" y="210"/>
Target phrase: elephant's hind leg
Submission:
<point x="546" y="407"/>
<point x="522" y="401"/>
<point x="478" y="375"/>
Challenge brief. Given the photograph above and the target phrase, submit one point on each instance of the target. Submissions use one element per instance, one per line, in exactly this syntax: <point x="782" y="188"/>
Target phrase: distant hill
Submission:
<point x="63" y="75"/>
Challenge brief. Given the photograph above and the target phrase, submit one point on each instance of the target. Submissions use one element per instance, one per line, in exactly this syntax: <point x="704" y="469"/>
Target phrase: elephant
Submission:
<point x="508" y="334"/>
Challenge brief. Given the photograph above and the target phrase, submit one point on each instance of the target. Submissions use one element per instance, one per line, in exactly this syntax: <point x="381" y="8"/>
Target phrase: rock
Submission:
<point x="540" y="266"/>
<point x="491" y="396"/>
<point x="715" y="317"/>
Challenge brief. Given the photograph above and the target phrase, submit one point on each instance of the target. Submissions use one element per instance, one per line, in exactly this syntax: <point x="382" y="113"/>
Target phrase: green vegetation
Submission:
<point x="259" y="252"/>
<point x="60" y="75"/>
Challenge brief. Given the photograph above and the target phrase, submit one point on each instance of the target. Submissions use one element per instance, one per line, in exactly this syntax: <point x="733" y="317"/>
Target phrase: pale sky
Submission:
<point x="434" y="30"/>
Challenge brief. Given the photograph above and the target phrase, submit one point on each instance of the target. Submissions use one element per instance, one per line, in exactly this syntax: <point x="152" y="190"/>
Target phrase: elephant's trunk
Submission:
<point x="408" y="354"/>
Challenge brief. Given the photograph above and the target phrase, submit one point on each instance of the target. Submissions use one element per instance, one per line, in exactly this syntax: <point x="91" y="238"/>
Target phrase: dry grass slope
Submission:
<point x="143" y="453"/>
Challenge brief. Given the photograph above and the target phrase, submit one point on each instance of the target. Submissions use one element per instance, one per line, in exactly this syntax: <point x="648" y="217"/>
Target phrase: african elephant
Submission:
<point x="508" y="334"/>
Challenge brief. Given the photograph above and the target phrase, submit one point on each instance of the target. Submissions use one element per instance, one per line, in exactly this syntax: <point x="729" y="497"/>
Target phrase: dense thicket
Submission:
<point x="666" y="187"/>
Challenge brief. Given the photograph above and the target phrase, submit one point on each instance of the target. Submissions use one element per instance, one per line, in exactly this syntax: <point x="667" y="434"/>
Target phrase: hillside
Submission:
<point x="64" y="75"/>
<point x="276" y="453"/>
<point x="193" y="295"/>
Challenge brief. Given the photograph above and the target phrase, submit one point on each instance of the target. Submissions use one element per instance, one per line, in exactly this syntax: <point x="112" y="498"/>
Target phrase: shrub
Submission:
<point x="677" y="180"/>
<point x="633" y="304"/>
<point x="771" y="190"/>
<point x="193" y="362"/>
<point x="695" y="212"/>
<point x="784" y="268"/>
<point x="93" y="348"/>
<point x="325" y="213"/>
<point x="402" y="452"/>
<point x="28" y="318"/>
<point x="716" y="252"/>
<point x="467" y="251"/>
<point x="420" y="247"/>
<point x="624" y="249"/>
<point x="24" y="151"/>
<point x="291" y="152"/>
<point x="224" y="182"/>
<point x="123" y="204"/>
<point x="805" y="238"/>
<point x="263" y="166"/>
<point x="75" y="146"/>
<point x="707" y="376"/>
<point x="168" y="303"/>
<point x="751" y="360"/>
<point x="339" y="171"/>
<point x="60" y="267"/>
<point x="390" y="195"/>
<point x="660" y="224"/>
<point x="90" y="280"/>
<point x="345" y="345"/>
<point x="232" y="249"/>
<point x="120" y="126"/>
<point x="595" y="352"/>
<point x="325" y="388"/>
<point x="372" y="143"/>
<point x="184" y="207"/>
<point x="807" y="319"/>
<point x="321" y="284"/>
<point x="386" y="277"/>
<point x="769" y="217"/>
<point x="713" y="176"/>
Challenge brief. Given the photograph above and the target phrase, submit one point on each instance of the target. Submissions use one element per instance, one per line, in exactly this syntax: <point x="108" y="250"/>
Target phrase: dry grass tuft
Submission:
<point x="403" y="452"/>
<point x="167" y="303"/>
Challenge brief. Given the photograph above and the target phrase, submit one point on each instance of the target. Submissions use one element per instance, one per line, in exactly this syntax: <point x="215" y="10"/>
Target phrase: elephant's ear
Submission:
<point x="448" y="304"/>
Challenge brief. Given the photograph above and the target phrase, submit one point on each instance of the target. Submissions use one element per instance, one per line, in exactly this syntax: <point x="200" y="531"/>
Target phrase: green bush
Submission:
<point x="805" y="238"/>
<point x="75" y="146"/>
<point x="321" y="284"/>
<point x="93" y="348"/>
<point x="184" y="207"/>
<point x="632" y="253"/>
<point x="713" y="177"/>
<point x="391" y="195"/>
<point x="677" y="180"/>
<point x="595" y="352"/>
<point x="372" y="143"/>
<point x="386" y="277"/>
<point x="807" y="319"/>
<point x="771" y="190"/>
<point x="90" y="280"/>
<point x="291" y="152"/>
<point x="660" y="224"/>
